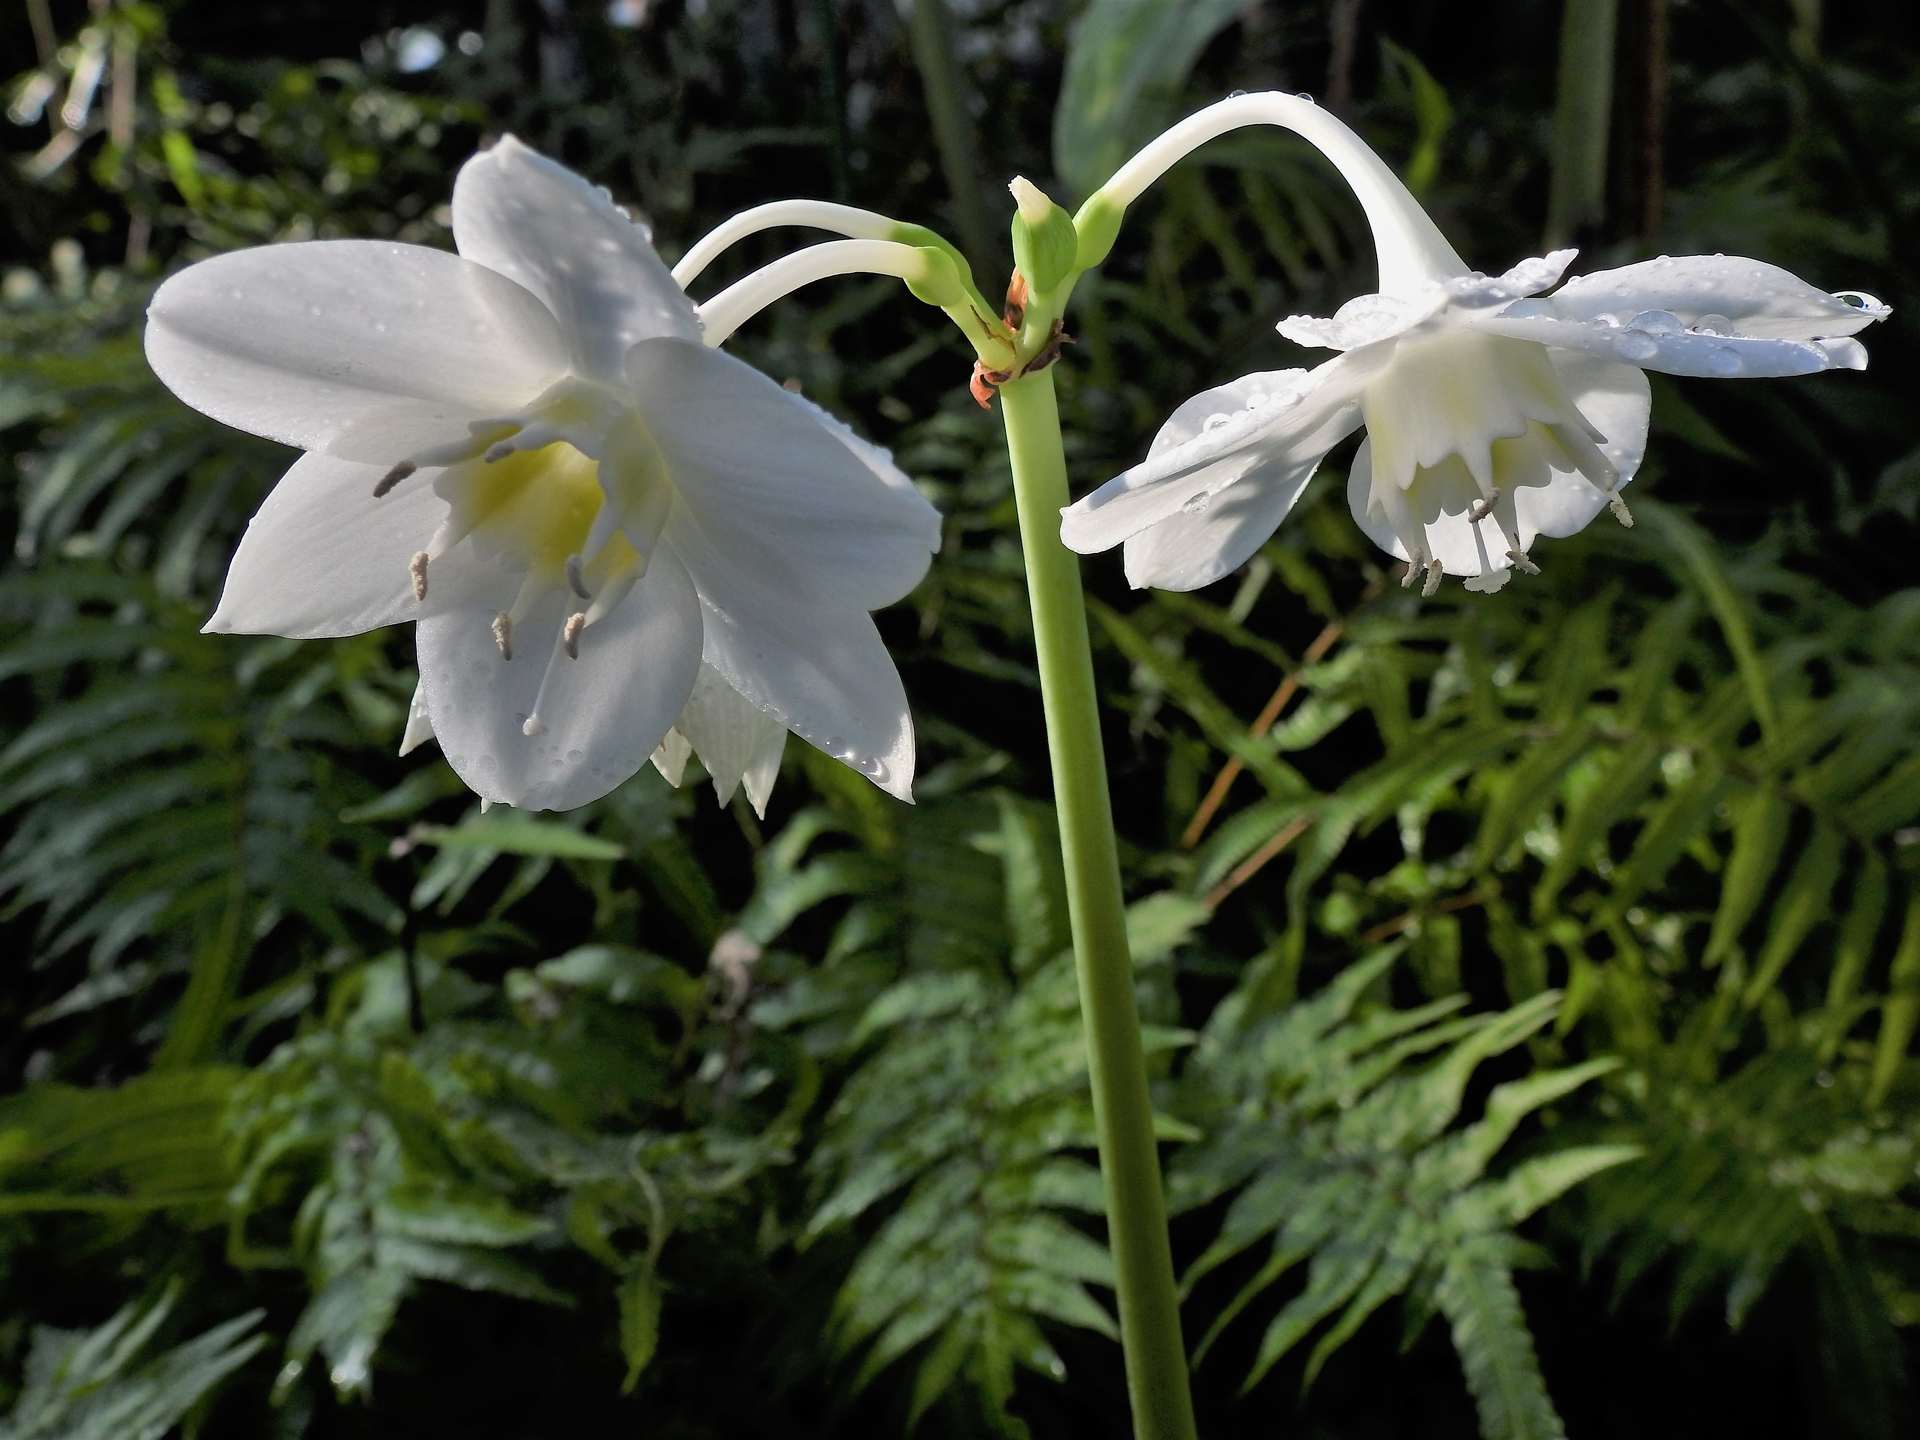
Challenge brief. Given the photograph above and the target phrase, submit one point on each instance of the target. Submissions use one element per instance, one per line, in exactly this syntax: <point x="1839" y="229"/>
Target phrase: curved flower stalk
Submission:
<point x="1494" y="414"/>
<point x="617" y="542"/>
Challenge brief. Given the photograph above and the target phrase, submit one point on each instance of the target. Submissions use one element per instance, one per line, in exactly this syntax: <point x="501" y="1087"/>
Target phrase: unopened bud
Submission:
<point x="1044" y="240"/>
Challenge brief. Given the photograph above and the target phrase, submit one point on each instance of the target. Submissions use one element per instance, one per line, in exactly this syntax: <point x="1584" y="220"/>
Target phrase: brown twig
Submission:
<point x="1250" y="866"/>
<point x="1414" y="917"/>
<point x="1263" y="722"/>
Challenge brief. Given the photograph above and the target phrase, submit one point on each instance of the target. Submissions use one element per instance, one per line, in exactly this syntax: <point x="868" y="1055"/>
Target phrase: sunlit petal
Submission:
<point x="364" y="349"/>
<point x="799" y="502"/>
<point x="323" y="557"/>
<point x="604" y="712"/>
<point x="538" y="223"/>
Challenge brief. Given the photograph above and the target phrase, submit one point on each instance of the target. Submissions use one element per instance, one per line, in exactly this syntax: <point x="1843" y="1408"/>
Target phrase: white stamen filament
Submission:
<point x="1412" y="251"/>
<point x="814" y="214"/>
<point x="741" y="301"/>
<point x="567" y="643"/>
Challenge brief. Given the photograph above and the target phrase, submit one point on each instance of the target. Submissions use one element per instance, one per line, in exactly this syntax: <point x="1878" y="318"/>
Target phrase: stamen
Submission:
<point x="534" y="724"/>
<point x="393" y="477"/>
<point x="417" y="572"/>
<point x="1483" y="507"/>
<point x="1434" y="571"/>
<point x="1416" y="562"/>
<point x="570" y="633"/>
<point x="503" y="634"/>
<point x="576" y="580"/>
<point x="1522" y="563"/>
<point x="1619" y="508"/>
<point x="531" y="437"/>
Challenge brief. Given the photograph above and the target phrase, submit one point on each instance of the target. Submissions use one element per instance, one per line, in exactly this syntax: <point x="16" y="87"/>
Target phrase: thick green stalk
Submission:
<point x="1123" y="1112"/>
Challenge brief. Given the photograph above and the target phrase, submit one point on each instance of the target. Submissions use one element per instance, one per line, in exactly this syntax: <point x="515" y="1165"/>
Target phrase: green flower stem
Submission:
<point x="1123" y="1112"/>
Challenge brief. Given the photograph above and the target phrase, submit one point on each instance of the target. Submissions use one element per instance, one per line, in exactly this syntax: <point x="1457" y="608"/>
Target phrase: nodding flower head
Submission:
<point x="1494" y="414"/>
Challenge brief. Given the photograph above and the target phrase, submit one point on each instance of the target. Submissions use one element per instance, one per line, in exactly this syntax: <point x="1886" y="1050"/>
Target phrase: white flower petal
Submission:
<point x="1529" y="277"/>
<point x="1189" y="550"/>
<point x="419" y="724"/>
<point x="1652" y="345"/>
<point x="604" y="713"/>
<point x="1239" y="400"/>
<point x="362" y="348"/>
<point x="821" y="672"/>
<point x="322" y="557"/>
<point x="763" y="770"/>
<point x="1364" y="320"/>
<point x="538" y="223"/>
<point x="1616" y="401"/>
<point x="1295" y="427"/>
<point x="1760" y="300"/>
<point x="670" y="757"/>
<point x="799" y="503"/>
<point x="727" y="731"/>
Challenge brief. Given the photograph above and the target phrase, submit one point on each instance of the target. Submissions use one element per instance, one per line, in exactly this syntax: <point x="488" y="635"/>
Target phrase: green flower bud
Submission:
<point x="1044" y="240"/>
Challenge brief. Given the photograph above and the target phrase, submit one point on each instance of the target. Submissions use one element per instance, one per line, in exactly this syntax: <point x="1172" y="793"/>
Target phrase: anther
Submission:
<point x="503" y="634"/>
<point x="393" y="477"/>
<point x="1620" y="511"/>
<point x="576" y="580"/>
<point x="1522" y="563"/>
<point x="1483" y="507"/>
<point x="532" y="725"/>
<point x="417" y="572"/>
<point x="1434" y="571"/>
<point x="570" y="633"/>
<point x="1416" y="562"/>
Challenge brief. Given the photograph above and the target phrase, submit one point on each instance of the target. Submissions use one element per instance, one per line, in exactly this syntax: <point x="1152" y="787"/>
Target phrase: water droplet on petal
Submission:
<point x="833" y="745"/>
<point x="1657" y="322"/>
<point x="1257" y="399"/>
<point x="1714" y="325"/>
<point x="1197" y="503"/>
<point x="1216" y="420"/>
<point x="1636" y="345"/>
<point x="1725" y="361"/>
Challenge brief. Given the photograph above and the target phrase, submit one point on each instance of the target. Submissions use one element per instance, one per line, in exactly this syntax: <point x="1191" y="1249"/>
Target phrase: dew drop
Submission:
<point x="574" y="757"/>
<point x="1257" y="399"/>
<point x="833" y="745"/>
<point x="1725" y="361"/>
<point x="1657" y="322"/>
<point x="1714" y="325"/>
<point x="1216" y="420"/>
<point x="1235" y="94"/>
<point x="872" y="769"/>
<point x="1634" y="345"/>
<point x="1197" y="504"/>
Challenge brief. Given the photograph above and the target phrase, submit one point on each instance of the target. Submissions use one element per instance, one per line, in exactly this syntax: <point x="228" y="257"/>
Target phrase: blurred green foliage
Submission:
<point x="1553" y="967"/>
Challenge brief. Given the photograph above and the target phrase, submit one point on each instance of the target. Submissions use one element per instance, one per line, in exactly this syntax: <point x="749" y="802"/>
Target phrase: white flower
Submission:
<point x="1491" y="417"/>
<point x="605" y="529"/>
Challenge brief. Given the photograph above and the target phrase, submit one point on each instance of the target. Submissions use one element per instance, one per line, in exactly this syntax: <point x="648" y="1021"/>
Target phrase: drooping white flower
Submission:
<point x="616" y="541"/>
<point x="1492" y="415"/>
